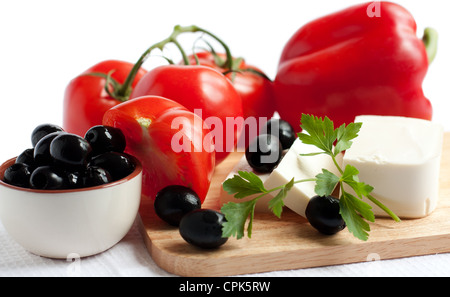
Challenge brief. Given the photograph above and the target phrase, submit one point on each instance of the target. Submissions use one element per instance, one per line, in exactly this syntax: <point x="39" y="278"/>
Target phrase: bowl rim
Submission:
<point x="137" y="170"/>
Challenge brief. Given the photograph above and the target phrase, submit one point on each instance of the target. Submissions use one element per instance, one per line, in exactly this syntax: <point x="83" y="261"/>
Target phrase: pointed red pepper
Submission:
<point x="365" y="59"/>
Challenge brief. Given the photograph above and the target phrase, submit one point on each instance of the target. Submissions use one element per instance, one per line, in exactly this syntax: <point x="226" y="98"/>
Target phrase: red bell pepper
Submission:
<point x="356" y="61"/>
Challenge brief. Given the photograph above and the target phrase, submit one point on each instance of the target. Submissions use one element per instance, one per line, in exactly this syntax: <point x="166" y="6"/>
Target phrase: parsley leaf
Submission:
<point x="350" y="177"/>
<point x="276" y="204"/>
<point x="244" y="184"/>
<point x="320" y="133"/>
<point x="326" y="183"/>
<point x="353" y="210"/>
<point x="236" y="215"/>
<point x="345" y="135"/>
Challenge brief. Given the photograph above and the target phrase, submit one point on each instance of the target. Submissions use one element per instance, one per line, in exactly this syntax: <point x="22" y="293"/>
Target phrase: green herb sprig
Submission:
<point x="330" y="141"/>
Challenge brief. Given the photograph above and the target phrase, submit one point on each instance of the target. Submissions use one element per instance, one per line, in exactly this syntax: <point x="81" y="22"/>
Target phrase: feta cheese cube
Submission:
<point x="399" y="157"/>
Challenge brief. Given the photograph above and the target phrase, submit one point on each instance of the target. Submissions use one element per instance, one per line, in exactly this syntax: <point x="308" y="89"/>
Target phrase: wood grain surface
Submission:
<point x="290" y="242"/>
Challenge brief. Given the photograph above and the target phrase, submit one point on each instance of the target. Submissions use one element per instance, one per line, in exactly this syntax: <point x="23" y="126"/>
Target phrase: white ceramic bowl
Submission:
<point x="68" y="223"/>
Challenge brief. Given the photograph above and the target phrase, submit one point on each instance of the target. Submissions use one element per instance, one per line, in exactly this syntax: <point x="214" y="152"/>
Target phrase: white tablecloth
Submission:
<point x="130" y="258"/>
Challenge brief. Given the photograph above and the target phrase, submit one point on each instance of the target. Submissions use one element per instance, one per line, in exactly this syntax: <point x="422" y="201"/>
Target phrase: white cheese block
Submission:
<point x="242" y="165"/>
<point x="300" y="167"/>
<point x="399" y="157"/>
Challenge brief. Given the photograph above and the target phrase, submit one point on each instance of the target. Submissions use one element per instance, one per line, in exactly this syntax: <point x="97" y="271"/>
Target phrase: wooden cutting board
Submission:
<point x="291" y="243"/>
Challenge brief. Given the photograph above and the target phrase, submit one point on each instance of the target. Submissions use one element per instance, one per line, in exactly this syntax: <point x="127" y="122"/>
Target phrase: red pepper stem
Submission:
<point x="430" y="39"/>
<point x="125" y="91"/>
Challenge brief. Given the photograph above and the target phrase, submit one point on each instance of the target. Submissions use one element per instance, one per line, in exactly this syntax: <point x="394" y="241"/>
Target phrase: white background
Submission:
<point x="44" y="44"/>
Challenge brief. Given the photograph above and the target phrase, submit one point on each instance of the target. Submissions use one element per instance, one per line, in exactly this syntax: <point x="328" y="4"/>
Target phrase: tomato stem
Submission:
<point x="183" y="53"/>
<point x="243" y="70"/>
<point x="124" y="91"/>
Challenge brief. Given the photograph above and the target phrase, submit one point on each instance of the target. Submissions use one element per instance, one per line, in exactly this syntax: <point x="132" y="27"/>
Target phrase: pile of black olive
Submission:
<point x="180" y="206"/>
<point x="59" y="160"/>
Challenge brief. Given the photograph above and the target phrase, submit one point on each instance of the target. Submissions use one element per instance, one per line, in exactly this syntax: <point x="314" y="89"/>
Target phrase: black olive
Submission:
<point x="323" y="214"/>
<point x="105" y="139"/>
<point x="281" y="129"/>
<point x="95" y="176"/>
<point x="18" y="174"/>
<point x="70" y="150"/>
<point x="43" y="130"/>
<point x="264" y="153"/>
<point x="203" y="228"/>
<point x="119" y="165"/>
<point x="75" y="178"/>
<point x="27" y="157"/>
<point x="42" y="149"/>
<point x="173" y="202"/>
<point x="50" y="178"/>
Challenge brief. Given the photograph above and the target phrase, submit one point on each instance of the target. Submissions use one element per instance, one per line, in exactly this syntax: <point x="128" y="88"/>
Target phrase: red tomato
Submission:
<point x="85" y="99"/>
<point x="256" y="91"/>
<point x="170" y="141"/>
<point x="203" y="89"/>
